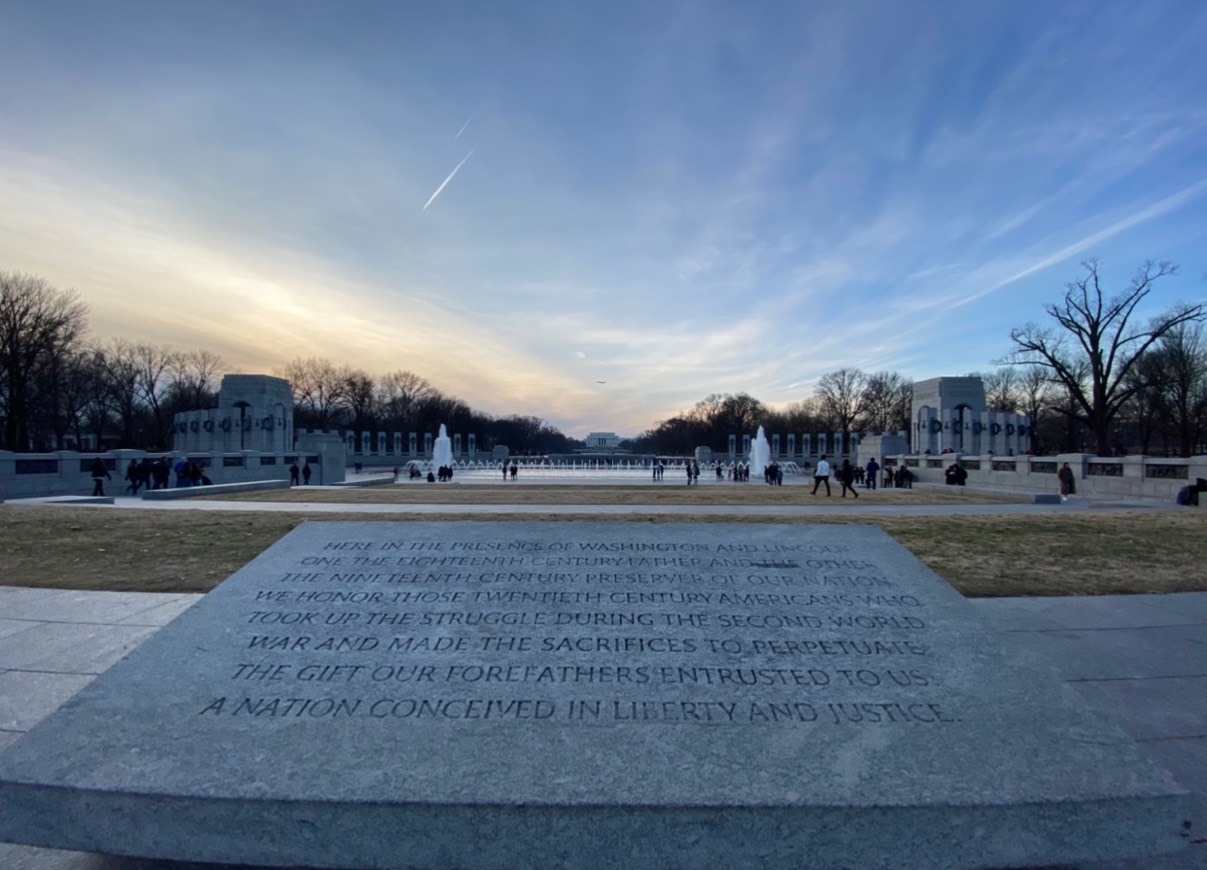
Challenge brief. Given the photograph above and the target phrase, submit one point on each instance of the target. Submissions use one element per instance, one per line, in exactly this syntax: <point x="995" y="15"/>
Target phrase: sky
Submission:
<point x="599" y="213"/>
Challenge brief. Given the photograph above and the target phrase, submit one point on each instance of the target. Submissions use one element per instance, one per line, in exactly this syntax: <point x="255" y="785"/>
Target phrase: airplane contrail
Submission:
<point x="466" y="124"/>
<point x="444" y="183"/>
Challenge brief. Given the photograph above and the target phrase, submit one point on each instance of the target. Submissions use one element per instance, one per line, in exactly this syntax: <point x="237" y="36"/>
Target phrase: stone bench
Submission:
<point x="213" y="489"/>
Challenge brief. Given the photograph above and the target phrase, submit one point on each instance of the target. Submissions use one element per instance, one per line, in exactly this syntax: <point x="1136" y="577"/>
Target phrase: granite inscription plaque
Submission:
<point x="584" y="694"/>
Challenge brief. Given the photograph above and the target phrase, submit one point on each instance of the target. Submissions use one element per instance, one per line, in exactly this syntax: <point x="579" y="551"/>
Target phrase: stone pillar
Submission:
<point x="381" y="442"/>
<point x="822" y="446"/>
<point x="775" y="444"/>
<point x="427" y="444"/>
<point x="791" y="445"/>
<point x="414" y="444"/>
<point x="733" y="446"/>
<point x="366" y="442"/>
<point x="746" y="446"/>
<point x="473" y="445"/>
<point x="397" y="443"/>
<point x="350" y="440"/>
<point x="456" y="444"/>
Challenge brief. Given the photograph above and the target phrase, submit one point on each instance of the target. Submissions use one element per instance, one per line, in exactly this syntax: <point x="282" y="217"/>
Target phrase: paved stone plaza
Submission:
<point x="1140" y="659"/>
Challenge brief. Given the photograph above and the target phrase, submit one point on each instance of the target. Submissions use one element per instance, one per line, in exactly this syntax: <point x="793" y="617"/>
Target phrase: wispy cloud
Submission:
<point x="680" y="200"/>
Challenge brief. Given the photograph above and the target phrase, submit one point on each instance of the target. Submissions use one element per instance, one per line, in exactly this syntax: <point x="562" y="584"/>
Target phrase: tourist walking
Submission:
<point x="132" y="476"/>
<point x="1068" y="485"/>
<point x="821" y="474"/>
<point x="294" y="471"/>
<point x="99" y="475"/>
<point x="870" y="476"/>
<point x="846" y="476"/>
<point x="306" y="474"/>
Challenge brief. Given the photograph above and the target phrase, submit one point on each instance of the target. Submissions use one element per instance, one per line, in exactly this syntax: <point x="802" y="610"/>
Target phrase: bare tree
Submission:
<point x="100" y="412"/>
<point x="887" y="400"/>
<point x="319" y="389"/>
<point x="1144" y="409"/>
<point x="400" y="394"/>
<point x="124" y="381"/>
<point x="1002" y="387"/>
<point x="801" y="416"/>
<point x="194" y="380"/>
<point x="155" y="364"/>
<point x="1175" y="373"/>
<point x="38" y="325"/>
<point x="1096" y="343"/>
<point x="360" y="399"/>
<point x="840" y="398"/>
<point x="723" y="414"/>
<point x="82" y="381"/>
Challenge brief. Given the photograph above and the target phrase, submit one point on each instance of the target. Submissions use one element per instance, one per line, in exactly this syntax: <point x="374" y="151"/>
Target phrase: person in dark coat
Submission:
<point x="160" y="472"/>
<point x="306" y="474"/>
<point x="870" y="473"/>
<point x="1068" y="486"/>
<point x="846" y="476"/>
<point x="99" y="475"/>
<point x="294" y="471"/>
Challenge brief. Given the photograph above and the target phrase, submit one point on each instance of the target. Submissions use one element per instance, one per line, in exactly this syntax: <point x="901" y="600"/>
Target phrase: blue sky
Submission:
<point x="677" y="198"/>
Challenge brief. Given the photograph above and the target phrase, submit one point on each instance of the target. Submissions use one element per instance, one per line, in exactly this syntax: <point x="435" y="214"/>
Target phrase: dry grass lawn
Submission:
<point x="665" y="494"/>
<point x="192" y="551"/>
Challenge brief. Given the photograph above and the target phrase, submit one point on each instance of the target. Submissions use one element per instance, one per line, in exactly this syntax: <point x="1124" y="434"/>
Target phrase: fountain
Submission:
<point x="442" y="450"/>
<point x="760" y="454"/>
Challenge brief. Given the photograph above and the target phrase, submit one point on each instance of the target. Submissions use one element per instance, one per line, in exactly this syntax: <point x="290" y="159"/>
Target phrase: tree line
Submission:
<point x="58" y="389"/>
<point x="847" y="400"/>
<point x="1098" y="376"/>
<point x="327" y="395"/>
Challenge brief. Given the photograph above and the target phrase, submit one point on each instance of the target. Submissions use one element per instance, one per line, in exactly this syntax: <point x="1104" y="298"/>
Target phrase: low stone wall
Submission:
<point x="1097" y="477"/>
<point x="66" y="472"/>
<point x="213" y="489"/>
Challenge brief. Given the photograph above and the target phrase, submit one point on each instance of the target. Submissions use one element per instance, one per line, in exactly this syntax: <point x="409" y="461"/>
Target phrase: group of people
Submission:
<point x="149" y="473"/>
<point x="294" y="472"/>
<point x="955" y="475"/>
<point x="849" y="475"/>
<point x="845" y="476"/>
<point x="145" y="472"/>
<point x="190" y="473"/>
<point x="510" y="470"/>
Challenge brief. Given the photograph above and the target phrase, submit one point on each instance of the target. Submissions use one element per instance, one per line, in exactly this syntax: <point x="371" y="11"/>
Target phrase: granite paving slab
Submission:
<point x="1121" y="653"/>
<point x="1153" y="708"/>
<point x="9" y="627"/>
<point x="57" y="646"/>
<point x="72" y="605"/>
<point x="26" y="697"/>
<point x="162" y="612"/>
